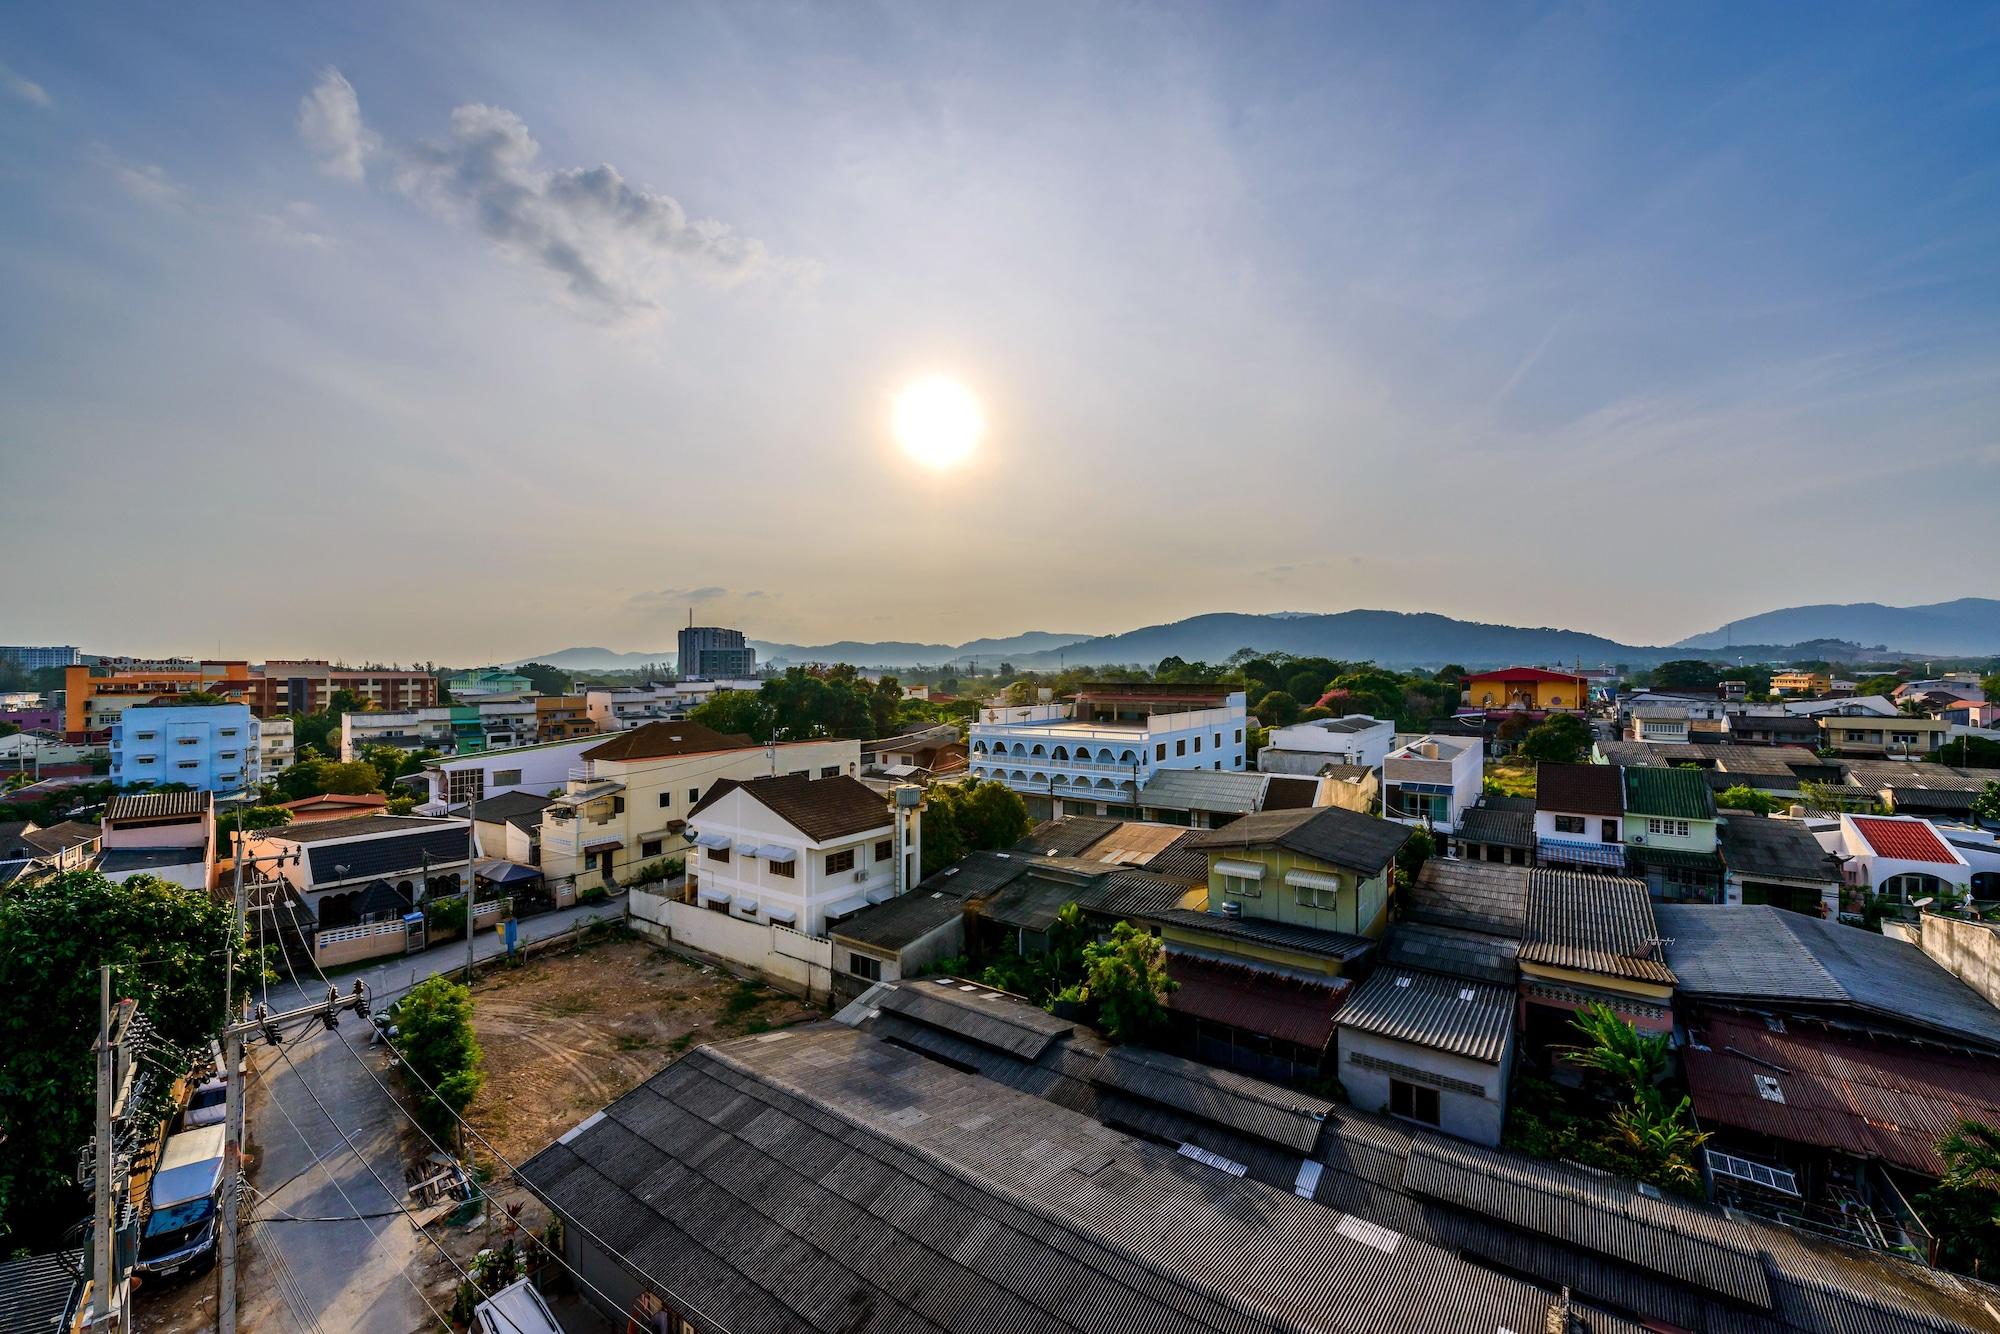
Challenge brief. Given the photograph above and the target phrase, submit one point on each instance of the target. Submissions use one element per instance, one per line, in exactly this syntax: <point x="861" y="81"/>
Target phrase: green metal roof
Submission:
<point x="1678" y="794"/>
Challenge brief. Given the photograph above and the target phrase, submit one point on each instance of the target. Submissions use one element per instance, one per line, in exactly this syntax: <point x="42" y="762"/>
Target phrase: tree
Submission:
<point x="1964" y="1207"/>
<point x="316" y="775"/>
<point x="735" y="713"/>
<point x="545" y="679"/>
<point x="434" y="1035"/>
<point x="1884" y="686"/>
<point x="1563" y="738"/>
<point x="347" y="701"/>
<point x="1277" y="709"/>
<point x="1744" y="798"/>
<point x="1972" y="752"/>
<point x="1617" y="1049"/>
<point x="1990" y="685"/>
<point x="1986" y="806"/>
<point x="165" y="944"/>
<point x="1686" y="674"/>
<point x="1125" y="983"/>
<point x="252" y="817"/>
<point x="970" y="817"/>
<point x="1420" y="847"/>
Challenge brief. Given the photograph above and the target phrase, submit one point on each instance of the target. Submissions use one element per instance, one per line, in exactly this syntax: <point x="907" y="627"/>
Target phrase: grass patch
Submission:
<point x="1510" y="780"/>
<point x="747" y="997"/>
<point x="634" y="1042"/>
<point x="681" y="1043"/>
<point x="569" y="1007"/>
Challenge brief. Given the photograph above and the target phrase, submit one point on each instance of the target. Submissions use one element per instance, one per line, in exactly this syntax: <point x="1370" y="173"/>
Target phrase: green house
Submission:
<point x="1670" y="833"/>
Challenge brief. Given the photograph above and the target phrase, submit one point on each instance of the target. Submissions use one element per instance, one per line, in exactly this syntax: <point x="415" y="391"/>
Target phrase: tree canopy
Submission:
<point x="165" y="944"/>
<point x="1562" y="738"/>
<point x="970" y="817"/>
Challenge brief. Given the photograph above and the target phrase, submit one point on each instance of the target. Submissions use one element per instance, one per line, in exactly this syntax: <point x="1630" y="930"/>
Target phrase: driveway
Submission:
<point x="349" y="1273"/>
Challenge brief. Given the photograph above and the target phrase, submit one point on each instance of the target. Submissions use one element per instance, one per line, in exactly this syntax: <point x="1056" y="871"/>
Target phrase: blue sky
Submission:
<point x="326" y="334"/>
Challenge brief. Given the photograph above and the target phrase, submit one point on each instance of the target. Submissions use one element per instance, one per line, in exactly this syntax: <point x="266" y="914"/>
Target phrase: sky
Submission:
<point x="409" y="332"/>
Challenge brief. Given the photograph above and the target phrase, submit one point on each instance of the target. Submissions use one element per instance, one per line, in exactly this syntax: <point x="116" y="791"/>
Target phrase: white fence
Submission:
<point x="788" y="959"/>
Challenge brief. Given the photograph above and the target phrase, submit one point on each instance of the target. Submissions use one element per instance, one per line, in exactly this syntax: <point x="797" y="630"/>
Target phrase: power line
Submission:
<point x="481" y="1190"/>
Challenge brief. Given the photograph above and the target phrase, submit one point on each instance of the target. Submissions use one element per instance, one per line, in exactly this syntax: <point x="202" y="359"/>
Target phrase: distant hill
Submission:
<point x="882" y="653"/>
<point x="1967" y="627"/>
<point x="1391" y="638"/>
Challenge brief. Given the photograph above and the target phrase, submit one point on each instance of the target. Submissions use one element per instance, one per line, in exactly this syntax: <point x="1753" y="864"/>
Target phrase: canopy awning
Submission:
<point x="1241" y="870"/>
<point x="497" y="872"/>
<point x="881" y="894"/>
<point x="782" y="915"/>
<point x="748" y="907"/>
<point x="708" y="896"/>
<point x="603" y="845"/>
<point x="772" y="852"/>
<point x="1312" y="880"/>
<point x="716" y="841"/>
<point x="853" y="903"/>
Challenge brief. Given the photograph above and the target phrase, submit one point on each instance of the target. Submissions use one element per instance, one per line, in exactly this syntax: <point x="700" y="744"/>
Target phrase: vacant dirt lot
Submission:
<point x="566" y="1033"/>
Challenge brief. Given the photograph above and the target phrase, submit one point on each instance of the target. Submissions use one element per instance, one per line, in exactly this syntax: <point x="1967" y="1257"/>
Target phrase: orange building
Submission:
<point x="1532" y="688"/>
<point x="92" y="704"/>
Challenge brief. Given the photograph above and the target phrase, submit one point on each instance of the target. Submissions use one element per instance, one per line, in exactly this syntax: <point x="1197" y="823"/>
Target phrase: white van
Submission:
<point x="183" y="1203"/>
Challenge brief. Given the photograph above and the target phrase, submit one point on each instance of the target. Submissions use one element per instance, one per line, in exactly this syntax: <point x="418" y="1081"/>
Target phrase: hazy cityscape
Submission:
<point x="712" y="669"/>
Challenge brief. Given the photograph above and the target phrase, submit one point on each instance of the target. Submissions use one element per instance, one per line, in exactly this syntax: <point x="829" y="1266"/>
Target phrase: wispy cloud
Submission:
<point x="26" y="90"/>
<point x="679" y="597"/>
<point x="613" y="245"/>
<point x="146" y="182"/>
<point x="296" y="224"/>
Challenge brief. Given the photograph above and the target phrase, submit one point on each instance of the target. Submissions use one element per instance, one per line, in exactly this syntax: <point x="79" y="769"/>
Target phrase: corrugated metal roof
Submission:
<point x="1204" y="790"/>
<point x="1579" y="789"/>
<point x="1250" y="1106"/>
<point x="958" y="1007"/>
<point x="1508" y="826"/>
<point x="1305" y="939"/>
<point x="1767" y="954"/>
<point x="1288" y="1009"/>
<point x="1329" y="834"/>
<point x="39" y="1294"/>
<point x="158" y="805"/>
<point x="1754" y="846"/>
<point x="1596" y="923"/>
<point x="1838" y="1091"/>
<point x="1476" y="896"/>
<point x="1675" y="794"/>
<point x="1453" y="952"/>
<point x="1448" y="1014"/>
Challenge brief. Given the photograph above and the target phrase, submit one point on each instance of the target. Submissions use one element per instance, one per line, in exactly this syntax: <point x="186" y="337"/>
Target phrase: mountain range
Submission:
<point x="1967" y="627"/>
<point x="1962" y="627"/>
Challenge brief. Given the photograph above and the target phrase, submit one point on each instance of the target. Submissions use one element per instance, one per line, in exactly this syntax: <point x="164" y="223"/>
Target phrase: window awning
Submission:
<point x="717" y="896"/>
<point x="748" y="907"/>
<point x="1242" y="870"/>
<point x="771" y="852"/>
<point x="783" y="915"/>
<point x="881" y="894"/>
<point x="717" y="841"/>
<point x="603" y="845"/>
<point x="854" y="903"/>
<point x="1312" y="880"/>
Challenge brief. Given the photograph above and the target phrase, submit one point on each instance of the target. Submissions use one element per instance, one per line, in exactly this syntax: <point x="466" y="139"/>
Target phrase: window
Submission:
<point x="885" y="849"/>
<point x="786" y="869"/>
<point x="618" y="805"/>
<point x="1668" y="828"/>
<point x="1180" y="746"/>
<point x="836" y="862"/>
<point x="694" y="795"/>
<point x="1904" y="738"/>
<point x="1239" y="736"/>
<point x="1857" y="736"/>
<point x="145" y="759"/>
<point x="1607" y="831"/>
<point x="187" y="741"/>
<point x="830" y="771"/>
<point x="188" y="764"/>
<point x="666" y="800"/>
<point x="1218" y="741"/>
<point x="1197" y="745"/>
<point x="1241" y="887"/>
<point x="225" y="731"/>
<point x="649" y="847"/>
<point x="1309" y="897"/>
<point x="720" y="855"/>
<point x="1569" y="824"/>
<point x="862" y="965"/>
<point x="506" y="777"/>
<point x="225" y="755"/>
<point x="1413" y="1101"/>
<point x="1160" y="751"/>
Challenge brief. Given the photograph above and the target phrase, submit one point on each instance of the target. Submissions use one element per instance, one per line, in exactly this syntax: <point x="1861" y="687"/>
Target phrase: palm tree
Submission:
<point x="1665" y="1139"/>
<point x="1618" y="1049"/>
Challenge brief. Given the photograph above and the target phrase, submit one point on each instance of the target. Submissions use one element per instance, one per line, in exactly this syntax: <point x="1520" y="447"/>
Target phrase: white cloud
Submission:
<point x="146" y="182"/>
<point x="296" y="224"/>
<point x="27" y="90"/>
<point x="330" y="123"/>
<point x="614" y="245"/>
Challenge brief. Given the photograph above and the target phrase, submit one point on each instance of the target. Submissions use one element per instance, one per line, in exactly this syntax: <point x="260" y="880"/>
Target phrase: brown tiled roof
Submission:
<point x="820" y="808"/>
<point x="61" y="837"/>
<point x="1580" y="789"/>
<point x="662" y="740"/>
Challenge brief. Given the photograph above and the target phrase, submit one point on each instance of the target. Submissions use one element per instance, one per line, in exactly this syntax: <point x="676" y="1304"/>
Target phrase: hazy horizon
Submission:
<point x="412" y="333"/>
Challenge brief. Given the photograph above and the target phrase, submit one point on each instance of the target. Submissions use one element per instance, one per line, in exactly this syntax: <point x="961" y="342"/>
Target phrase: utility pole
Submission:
<point x="472" y="877"/>
<point x="109" y="1166"/>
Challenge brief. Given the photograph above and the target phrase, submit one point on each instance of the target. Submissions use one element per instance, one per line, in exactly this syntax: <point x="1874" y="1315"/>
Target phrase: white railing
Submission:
<point x="1044" y="762"/>
<point x="339" y="934"/>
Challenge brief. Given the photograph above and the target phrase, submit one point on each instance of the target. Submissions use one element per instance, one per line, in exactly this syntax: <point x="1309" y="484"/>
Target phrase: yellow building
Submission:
<point x="1801" y="683"/>
<point x="1535" y="688"/>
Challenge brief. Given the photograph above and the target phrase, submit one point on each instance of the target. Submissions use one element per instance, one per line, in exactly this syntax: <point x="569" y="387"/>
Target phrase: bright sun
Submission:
<point x="938" y="421"/>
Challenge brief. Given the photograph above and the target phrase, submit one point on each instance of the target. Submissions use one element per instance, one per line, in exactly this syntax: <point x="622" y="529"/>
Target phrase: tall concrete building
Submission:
<point x="34" y="657"/>
<point x="710" y="651"/>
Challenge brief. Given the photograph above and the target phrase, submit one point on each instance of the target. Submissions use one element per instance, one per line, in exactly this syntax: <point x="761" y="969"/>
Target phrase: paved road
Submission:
<point x="348" y="1273"/>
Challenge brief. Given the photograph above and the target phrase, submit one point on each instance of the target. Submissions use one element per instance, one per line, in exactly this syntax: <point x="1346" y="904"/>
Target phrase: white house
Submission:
<point x="450" y="781"/>
<point x="1660" y="724"/>
<point x="1304" y="748"/>
<point x="801" y="851"/>
<point x="622" y="708"/>
<point x="1432" y="780"/>
<point x="1898" y="855"/>
<point x="1432" y="1049"/>
<point x="1105" y="744"/>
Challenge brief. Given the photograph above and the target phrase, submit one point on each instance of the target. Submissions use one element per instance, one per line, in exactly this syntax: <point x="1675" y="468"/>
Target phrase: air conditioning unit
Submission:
<point x="1636" y="838"/>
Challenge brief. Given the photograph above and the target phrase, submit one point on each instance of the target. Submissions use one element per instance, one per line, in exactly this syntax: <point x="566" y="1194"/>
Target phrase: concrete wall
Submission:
<point x="1970" y="950"/>
<point x="1479" y="1118"/>
<point x="783" y="957"/>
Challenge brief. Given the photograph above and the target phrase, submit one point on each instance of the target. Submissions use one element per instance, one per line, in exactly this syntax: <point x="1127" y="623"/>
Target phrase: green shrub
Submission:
<point x="594" y="894"/>
<point x="435" y="1039"/>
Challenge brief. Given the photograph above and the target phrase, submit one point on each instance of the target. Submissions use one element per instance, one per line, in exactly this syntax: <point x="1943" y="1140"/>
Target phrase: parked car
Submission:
<point x="178" y="1240"/>
<point x="205" y="1106"/>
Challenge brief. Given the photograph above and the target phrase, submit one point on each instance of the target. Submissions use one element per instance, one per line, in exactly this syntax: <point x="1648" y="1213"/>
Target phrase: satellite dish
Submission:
<point x="1924" y="902"/>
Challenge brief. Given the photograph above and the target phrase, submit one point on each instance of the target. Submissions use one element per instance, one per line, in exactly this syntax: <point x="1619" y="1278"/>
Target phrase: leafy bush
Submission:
<point x="593" y="894"/>
<point x="445" y="916"/>
<point x="1742" y="797"/>
<point x="654" y="872"/>
<point x="434" y="1037"/>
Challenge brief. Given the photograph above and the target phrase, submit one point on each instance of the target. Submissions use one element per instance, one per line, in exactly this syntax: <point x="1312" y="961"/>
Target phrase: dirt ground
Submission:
<point x="566" y="1033"/>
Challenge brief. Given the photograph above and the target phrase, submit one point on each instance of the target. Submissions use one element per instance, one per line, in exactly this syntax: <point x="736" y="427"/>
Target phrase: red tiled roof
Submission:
<point x="1904" y="840"/>
<point x="1853" y="1094"/>
<point x="1523" y="674"/>
<point x="1286" y="1008"/>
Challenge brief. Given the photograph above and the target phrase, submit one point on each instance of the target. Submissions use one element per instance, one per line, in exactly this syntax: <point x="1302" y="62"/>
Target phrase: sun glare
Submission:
<point x="938" y="422"/>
